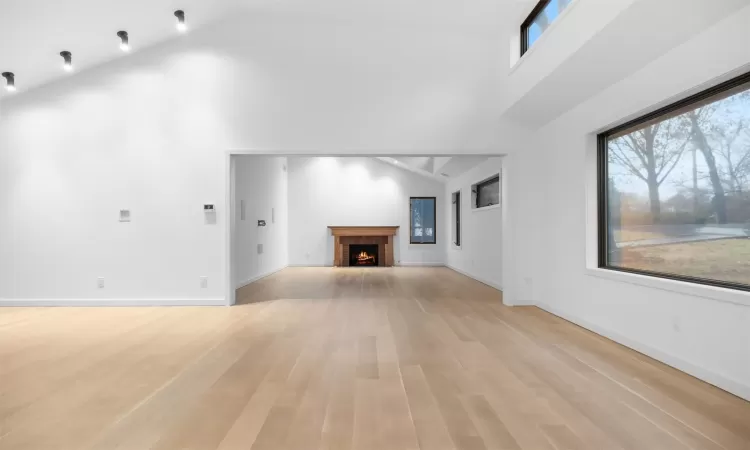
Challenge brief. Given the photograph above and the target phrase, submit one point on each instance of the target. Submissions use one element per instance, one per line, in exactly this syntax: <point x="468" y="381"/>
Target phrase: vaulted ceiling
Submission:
<point x="34" y="32"/>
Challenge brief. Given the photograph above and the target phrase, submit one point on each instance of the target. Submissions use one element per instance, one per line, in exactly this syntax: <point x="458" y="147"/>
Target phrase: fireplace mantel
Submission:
<point x="344" y="236"/>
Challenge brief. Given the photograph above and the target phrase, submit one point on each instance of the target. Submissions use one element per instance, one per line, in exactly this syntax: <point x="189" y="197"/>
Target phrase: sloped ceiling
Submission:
<point x="34" y="32"/>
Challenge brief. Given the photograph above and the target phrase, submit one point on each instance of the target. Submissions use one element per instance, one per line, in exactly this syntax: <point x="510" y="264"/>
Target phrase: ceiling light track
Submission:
<point x="10" y="77"/>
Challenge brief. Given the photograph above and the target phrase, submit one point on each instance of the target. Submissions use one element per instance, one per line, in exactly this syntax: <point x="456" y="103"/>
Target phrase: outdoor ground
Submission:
<point x="725" y="259"/>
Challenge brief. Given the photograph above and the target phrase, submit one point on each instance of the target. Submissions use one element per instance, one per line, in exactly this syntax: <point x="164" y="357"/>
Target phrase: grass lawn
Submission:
<point x="635" y="235"/>
<point x="724" y="260"/>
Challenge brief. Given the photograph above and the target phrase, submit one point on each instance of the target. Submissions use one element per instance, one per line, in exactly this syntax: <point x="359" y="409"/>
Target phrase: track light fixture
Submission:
<point x="181" y="25"/>
<point x="68" y="64"/>
<point x="124" y="42"/>
<point x="10" y="80"/>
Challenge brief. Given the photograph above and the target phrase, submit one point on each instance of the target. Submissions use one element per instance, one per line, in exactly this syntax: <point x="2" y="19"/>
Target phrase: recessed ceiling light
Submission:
<point x="181" y="25"/>
<point x="68" y="61"/>
<point x="124" y="41"/>
<point x="10" y="81"/>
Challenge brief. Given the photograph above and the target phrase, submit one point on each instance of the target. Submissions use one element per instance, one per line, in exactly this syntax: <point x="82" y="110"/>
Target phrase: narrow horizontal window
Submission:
<point x="674" y="190"/>
<point x="545" y="12"/>
<point x="486" y="193"/>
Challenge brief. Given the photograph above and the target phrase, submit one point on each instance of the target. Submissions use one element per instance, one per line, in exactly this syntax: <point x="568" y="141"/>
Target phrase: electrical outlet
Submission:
<point x="204" y="282"/>
<point x="100" y="282"/>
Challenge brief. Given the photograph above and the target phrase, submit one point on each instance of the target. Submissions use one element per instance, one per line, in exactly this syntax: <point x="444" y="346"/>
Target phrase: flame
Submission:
<point x="364" y="257"/>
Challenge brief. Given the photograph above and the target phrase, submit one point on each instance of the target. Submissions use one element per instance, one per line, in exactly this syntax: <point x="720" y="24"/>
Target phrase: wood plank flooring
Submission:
<point x="321" y="358"/>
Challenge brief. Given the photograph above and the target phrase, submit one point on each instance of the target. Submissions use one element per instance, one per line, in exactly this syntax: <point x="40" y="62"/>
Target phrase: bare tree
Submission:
<point x="651" y="154"/>
<point x="700" y="121"/>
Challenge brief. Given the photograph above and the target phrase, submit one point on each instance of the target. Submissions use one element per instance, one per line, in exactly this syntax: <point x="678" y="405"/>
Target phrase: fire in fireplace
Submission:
<point x="363" y="255"/>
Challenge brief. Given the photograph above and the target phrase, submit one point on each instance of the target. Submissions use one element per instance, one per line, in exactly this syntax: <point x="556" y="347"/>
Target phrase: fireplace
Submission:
<point x="363" y="255"/>
<point x="375" y="242"/>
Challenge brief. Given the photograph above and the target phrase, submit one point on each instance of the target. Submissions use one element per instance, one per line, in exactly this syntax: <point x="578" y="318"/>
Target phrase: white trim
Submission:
<point x="310" y="265"/>
<point x="476" y="278"/>
<point x="485" y="208"/>
<point x="242" y="284"/>
<point x="730" y="385"/>
<point x="43" y="302"/>
<point x="420" y="264"/>
<point x="707" y="292"/>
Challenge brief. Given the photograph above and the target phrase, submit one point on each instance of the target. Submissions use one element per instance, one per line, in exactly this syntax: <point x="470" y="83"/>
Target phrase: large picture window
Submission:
<point x="423" y="212"/>
<point x="545" y="12"/>
<point x="674" y="190"/>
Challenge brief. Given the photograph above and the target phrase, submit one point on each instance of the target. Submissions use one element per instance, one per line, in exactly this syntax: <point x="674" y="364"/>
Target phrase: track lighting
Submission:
<point x="68" y="64"/>
<point x="181" y="25"/>
<point x="124" y="42"/>
<point x="10" y="79"/>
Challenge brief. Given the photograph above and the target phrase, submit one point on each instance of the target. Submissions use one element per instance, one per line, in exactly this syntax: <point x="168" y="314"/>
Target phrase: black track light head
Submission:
<point x="68" y="58"/>
<point x="10" y="81"/>
<point x="181" y="25"/>
<point x="124" y="41"/>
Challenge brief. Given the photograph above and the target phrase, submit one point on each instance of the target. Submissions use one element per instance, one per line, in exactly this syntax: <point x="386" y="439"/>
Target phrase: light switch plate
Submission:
<point x="124" y="215"/>
<point x="260" y="249"/>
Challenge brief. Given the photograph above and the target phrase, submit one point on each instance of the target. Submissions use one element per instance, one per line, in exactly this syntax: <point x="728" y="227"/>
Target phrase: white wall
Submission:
<point x="703" y="331"/>
<point x="357" y="192"/>
<point x="480" y="254"/>
<point x="261" y="183"/>
<point x="150" y="132"/>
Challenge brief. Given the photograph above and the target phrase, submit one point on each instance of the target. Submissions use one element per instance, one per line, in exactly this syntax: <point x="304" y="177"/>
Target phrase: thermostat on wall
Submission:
<point x="208" y="208"/>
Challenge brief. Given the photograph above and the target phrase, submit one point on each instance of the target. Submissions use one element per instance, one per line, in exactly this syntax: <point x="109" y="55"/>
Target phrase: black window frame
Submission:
<point x="456" y="198"/>
<point x="528" y="22"/>
<point x="478" y="188"/>
<point x="411" y="221"/>
<point x="706" y="96"/>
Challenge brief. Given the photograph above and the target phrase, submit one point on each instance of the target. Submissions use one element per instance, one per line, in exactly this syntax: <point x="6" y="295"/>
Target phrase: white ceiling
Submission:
<point x="34" y="32"/>
<point x="441" y="168"/>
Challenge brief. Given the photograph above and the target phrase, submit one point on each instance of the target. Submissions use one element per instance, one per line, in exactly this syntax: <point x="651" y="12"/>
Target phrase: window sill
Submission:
<point x="486" y="208"/>
<point x="681" y="287"/>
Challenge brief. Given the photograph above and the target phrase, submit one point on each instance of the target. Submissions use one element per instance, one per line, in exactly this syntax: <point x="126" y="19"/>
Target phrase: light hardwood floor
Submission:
<point x="321" y="358"/>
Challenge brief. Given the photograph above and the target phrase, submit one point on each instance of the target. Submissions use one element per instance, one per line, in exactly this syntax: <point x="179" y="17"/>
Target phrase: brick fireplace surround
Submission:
<point x="343" y="237"/>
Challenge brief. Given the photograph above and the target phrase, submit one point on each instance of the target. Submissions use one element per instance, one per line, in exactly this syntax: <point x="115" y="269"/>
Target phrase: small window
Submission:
<point x="545" y="12"/>
<point x="487" y="193"/>
<point x="423" y="212"/>
<point x="674" y="190"/>
<point x="456" y="213"/>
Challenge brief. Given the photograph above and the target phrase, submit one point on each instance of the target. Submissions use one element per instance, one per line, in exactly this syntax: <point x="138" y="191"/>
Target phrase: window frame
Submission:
<point x="478" y="187"/>
<point x="411" y="221"/>
<point x="706" y="96"/>
<point x="456" y="200"/>
<point x="526" y="24"/>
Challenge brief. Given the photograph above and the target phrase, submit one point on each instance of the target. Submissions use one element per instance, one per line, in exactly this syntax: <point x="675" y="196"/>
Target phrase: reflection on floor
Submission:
<point x="321" y="358"/>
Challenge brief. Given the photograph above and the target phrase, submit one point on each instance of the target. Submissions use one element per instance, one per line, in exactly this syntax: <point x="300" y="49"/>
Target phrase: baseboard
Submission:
<point x="310" y="265"/>
<point x="43" y="302"/>
<point x="730" y="385"/>
<point x="420" y="264"/>
<point x="479" y="279"/>
<point x="259" y="277"/>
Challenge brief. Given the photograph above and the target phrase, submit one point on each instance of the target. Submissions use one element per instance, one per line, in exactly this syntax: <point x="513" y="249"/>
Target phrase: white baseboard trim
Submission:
<point x="310" y="265"/>
<point x="730" y="385"/>
<point x="259" y="277"/>
<point x="420" y="264"/>
<point x="85" y="302"/>
<point x="479" y="279"/>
